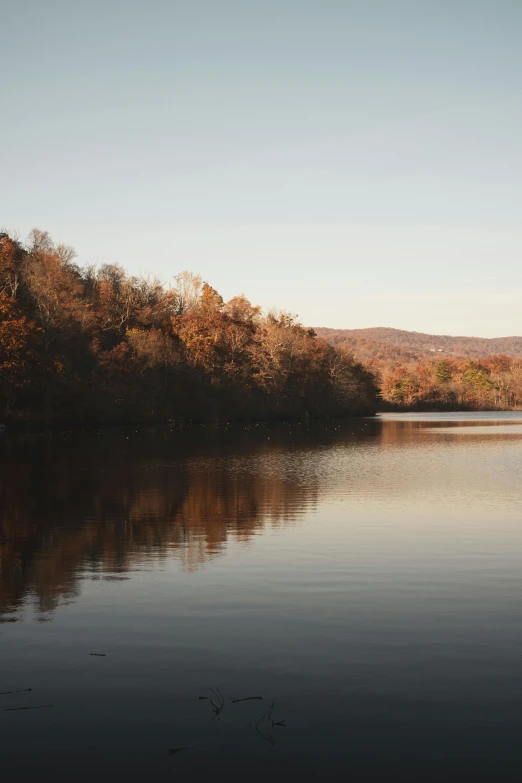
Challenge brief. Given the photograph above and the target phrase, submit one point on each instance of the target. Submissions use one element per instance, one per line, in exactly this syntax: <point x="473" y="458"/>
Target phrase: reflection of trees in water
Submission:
<point x="103" y="507"/>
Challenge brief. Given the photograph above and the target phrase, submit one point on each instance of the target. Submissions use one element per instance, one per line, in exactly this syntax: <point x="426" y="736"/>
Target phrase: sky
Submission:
<point x="356" y="163"/>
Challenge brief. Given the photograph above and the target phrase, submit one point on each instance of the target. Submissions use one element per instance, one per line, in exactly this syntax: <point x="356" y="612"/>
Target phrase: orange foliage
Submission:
<point x="115" y="347"/>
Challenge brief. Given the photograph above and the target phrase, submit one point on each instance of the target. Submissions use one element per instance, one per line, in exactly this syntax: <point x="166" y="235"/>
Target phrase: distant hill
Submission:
<point x="383" y="344"/>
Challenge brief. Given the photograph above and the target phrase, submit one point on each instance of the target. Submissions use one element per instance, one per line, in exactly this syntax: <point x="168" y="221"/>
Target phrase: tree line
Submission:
<point x="491" y="383"/>
<point x="94" y="344"/>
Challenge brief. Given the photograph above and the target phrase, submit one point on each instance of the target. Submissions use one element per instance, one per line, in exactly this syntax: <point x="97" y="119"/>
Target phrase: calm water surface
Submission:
<point x="364" y="578"/>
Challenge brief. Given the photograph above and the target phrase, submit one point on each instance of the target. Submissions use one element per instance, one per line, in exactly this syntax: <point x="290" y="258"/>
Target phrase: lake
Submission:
<point x="363" y="577"/>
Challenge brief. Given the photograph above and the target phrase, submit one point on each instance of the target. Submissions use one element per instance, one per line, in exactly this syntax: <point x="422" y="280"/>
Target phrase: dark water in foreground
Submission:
<point x="365" y="578"/>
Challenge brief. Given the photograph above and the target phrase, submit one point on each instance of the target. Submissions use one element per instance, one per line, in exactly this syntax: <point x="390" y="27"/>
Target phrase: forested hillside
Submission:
<point x="397" y="344"/>
<point x="95" y="345"/>
<point x="416" y="371"/>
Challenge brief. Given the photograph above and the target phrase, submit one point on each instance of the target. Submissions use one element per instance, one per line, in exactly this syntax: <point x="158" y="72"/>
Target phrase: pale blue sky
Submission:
<point x="358" y="163"/>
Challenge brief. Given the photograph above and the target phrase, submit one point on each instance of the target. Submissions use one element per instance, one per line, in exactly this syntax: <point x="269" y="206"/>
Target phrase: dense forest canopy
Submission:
<point x="494" y="383"/>
<point x="95" y="344"/>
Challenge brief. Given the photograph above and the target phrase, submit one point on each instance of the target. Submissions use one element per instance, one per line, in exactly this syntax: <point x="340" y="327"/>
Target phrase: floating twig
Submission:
<point x="36" y="707"/>
<point x="264" y="719"/>
<point x="24" y="690"/>
<point x="219" y="706"/>
<point x="99" y="655"/>
<point x="218" y="695"/>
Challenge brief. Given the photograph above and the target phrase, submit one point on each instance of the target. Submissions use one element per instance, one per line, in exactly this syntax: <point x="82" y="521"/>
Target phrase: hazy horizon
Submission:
<point x="355" y="164"/>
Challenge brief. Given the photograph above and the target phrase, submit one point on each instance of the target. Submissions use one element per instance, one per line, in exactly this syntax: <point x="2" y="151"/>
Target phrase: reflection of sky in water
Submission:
<point x="457" y="417"/>
<point x="475" y="429"/>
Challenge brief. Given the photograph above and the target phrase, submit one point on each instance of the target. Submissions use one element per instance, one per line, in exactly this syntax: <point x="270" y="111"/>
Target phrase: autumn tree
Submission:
<point x="18" y="357"/>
